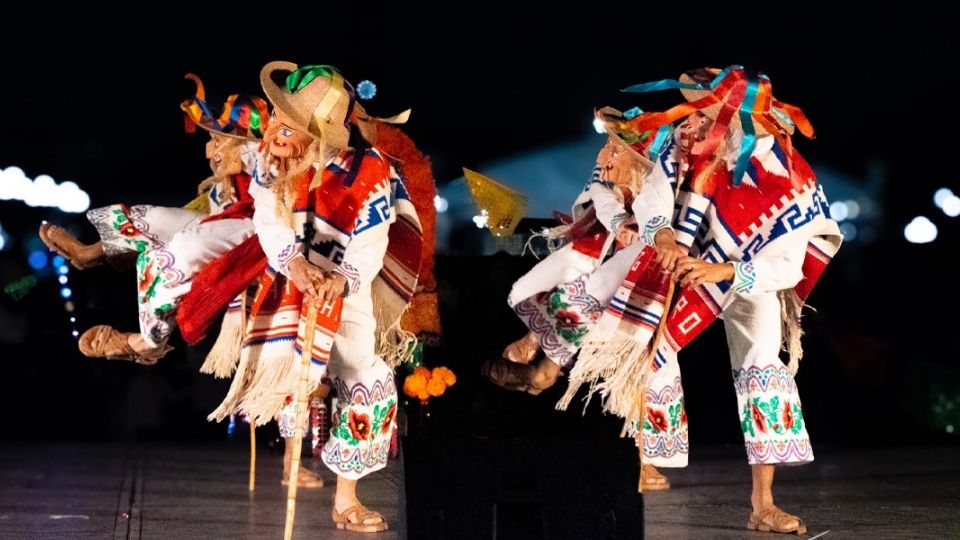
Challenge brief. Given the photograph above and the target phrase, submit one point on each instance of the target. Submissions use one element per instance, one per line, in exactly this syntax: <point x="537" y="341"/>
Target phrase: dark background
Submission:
<point x="90" y="94"/>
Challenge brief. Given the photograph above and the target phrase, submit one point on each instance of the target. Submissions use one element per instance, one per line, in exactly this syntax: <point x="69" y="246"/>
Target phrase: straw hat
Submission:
<point x="317" y="100"/>
<point x="710" y="90"/>
<point x="645" y="145"/>
<point x="713" y="78"/>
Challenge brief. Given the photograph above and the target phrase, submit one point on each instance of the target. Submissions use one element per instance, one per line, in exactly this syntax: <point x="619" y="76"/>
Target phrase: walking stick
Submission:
<point x="642" y="398"/>
<point x="252" y="484"/>
<point x="252" y="481"/>
<point x="307" y="351"/>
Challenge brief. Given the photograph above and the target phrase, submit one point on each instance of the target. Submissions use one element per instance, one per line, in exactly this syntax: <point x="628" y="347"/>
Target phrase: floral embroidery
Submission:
<point x="674" y="420"/>
<point x="758" y="418"/>
<point x="567" y="318"/>
<point x="655" y="420"/>
<point x="769" y="416"/>
<point x="359" y="425"/>
<point x="788" y="422"/>
<point x="568" y="322"/>
<point x="387" y="421"/>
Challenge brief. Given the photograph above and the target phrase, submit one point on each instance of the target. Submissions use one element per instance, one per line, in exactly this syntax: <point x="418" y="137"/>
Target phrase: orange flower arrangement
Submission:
<point x="424" y="383"/>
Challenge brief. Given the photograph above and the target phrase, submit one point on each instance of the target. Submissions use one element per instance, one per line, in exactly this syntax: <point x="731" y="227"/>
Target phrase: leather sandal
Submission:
<point x="651" y="479"/>
<point x="103" y="341"/>
<point x="507" y="374"/>
<point x="361" y="515"/>
<point x="773" y="519"/>
<point x="521" y="351"/>
<point x="521" y="377"/>
<point x="81" y="256"/>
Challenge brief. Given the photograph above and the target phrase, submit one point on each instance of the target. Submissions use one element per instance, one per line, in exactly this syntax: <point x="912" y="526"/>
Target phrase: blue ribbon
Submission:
<point x="663" y="134"/>
<point x="213" y="119"/>
<point x="672" y="84"/>
<point x="665" y="84"/>
<point x="749" y="133"/>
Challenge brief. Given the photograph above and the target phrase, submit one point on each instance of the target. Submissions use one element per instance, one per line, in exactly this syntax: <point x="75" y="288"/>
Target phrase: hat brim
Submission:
<point x="282" y="100"/>
<point x="209" y="128"/>
<point x="285" y="103"/>
<point x="714" y="110"/>
<point x="609" y="115"/>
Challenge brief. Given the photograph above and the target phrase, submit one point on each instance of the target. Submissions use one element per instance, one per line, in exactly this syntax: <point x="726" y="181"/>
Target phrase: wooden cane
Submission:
<point x="252" y="484"/>
<point x="301" y="415"/>
<point x="252" y="481"/>
<point x="642" y="398"/>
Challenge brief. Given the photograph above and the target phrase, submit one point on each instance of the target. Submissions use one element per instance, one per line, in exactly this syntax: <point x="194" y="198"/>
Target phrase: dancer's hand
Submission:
<point x="627" y="233"/>
<point x="306" y="276"/>
<point x="668" y="252"/>
<point x="694" y="272"/>
<point x="334" y="285"/>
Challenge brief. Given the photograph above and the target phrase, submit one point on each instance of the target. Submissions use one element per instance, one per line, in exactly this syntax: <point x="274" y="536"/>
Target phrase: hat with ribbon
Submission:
<point x="242" y="117"/>
<point x="318" y="100"/>
<point x="733" y="101"/>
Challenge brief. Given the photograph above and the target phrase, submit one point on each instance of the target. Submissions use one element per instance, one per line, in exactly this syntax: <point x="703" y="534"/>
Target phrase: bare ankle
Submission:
<point x="760" y="502"/>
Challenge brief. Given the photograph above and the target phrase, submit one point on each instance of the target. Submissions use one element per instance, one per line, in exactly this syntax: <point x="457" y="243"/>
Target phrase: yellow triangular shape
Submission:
<point x="503" y="206"/>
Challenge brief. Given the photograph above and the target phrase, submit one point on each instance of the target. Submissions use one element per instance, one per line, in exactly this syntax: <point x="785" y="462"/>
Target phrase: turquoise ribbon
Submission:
<point x="665" y="84"/>
<point x="660" y="140"/>
<point x="672" y="84"/>
<point x="749" y="133"/>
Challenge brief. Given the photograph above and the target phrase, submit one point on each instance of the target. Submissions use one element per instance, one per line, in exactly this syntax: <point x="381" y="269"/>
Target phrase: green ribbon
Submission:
<point x="302" y="76"/>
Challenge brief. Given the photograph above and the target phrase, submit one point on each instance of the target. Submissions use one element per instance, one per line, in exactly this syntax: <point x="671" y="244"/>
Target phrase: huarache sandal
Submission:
<point x="651" y="479"/>
<point x="363" y="519"/>
<point x="81" y="256"/>
<point x="773" y="519"/>
<point x="103" y="341"/>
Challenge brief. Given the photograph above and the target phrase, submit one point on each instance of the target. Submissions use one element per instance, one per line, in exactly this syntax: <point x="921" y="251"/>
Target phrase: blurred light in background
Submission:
<point x="951" y="206"/>
<point x="920" y="231"/>
<point x="839" y="210"/>
<point x="42" y="191"/>
<point x="941" y="195"/>
<point x="599" y="126"/>
<point x="37" y="260"/>
<point x="440" y="204"/>
<point x="853" y="209"/>
<point x="849" y="231"/>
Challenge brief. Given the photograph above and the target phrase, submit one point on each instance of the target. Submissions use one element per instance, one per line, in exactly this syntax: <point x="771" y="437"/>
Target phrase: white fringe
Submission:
<point x="259" y="390"/>
<point x="229" y="404"/>
<point x="614" y="368"/>
<point x="223" y="357"/>
<point x="394" y="343"/>
<point x="268" y="388"/>
<point x="790" y="313"/>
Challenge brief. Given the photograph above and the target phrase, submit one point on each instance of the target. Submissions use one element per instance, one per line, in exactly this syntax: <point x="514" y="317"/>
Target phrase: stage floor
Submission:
<point x="888" y="494"/>
<point x="170" y="492"/>
<point x="200" y="491"/>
